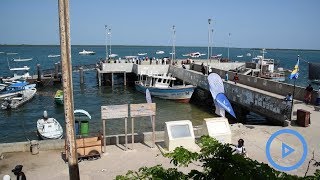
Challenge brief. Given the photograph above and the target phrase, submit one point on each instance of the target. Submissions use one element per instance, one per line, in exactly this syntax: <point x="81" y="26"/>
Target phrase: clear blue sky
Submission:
<point x="270" y="24"/>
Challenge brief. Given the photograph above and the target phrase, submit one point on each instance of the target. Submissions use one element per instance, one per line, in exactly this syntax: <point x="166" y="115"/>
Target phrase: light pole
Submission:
<point x="228" y="44"/>
<point x="106" y="29"/>
<point x="209" y="22"/>
<point x="211" y="53"/>
<point x="173" y="43"/>
<point x="109" y="41"/>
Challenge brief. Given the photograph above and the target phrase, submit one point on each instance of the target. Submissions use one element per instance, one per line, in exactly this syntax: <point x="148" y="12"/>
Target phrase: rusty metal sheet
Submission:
<point x="145" y="109"/>
<point x="114" y="111"/>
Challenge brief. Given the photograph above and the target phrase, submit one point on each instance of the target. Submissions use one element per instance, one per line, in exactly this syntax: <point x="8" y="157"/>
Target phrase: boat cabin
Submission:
<point x="158" y="81"/>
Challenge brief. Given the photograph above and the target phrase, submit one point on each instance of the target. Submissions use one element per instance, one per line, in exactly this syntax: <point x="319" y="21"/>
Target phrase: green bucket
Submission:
<point x="84" y="128"/>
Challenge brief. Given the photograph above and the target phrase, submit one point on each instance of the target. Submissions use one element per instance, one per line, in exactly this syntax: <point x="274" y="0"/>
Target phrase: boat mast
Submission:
<point x="173" y="43"/>
<point x="106" y="29"/>
<point x="228" y="44"/>
<point x="261" y="60"/>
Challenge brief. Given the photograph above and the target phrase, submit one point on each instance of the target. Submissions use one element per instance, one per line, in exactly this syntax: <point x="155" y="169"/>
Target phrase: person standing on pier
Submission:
<point x="236" y="78"/>
<point x="318" y="98"/>
<point x="203" y="70"/>
<point x="307" y="97"/>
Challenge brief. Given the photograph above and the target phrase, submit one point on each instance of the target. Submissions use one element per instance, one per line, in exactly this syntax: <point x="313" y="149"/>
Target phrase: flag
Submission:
<point x="295" y="72"/>
<point x="224" y="103"/>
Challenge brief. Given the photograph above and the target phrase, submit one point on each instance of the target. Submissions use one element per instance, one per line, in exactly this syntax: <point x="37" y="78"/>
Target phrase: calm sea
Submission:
<point x="20" y="124"/>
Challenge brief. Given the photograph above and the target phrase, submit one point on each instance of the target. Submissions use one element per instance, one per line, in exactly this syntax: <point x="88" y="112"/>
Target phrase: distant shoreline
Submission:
<point x="161" y="46"/>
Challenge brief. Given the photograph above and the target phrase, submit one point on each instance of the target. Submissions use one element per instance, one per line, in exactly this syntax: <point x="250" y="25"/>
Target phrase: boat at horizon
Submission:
<point x="22" y="59"/>
<point x="142" y="54"/>
<point x="53" y="55"/>
<point x="84" y="52"/>
<point x="160" y="52"/>
<point x="163" y="87"/>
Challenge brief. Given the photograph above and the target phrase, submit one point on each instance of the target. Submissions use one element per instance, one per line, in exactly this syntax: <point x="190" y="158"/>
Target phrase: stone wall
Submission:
<point x="272" y="107"/>
<point x="264" y="84"/>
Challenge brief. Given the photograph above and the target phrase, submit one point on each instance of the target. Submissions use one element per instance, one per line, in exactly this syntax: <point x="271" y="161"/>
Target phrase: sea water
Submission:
<point x="20" y="124"/>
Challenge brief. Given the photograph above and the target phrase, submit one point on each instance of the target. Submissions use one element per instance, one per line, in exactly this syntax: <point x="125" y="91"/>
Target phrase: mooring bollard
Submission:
<point x="39" y="73"/>
<point x="81" y="75"/>
<point x="56" y="70"/>
<point x="34" y="147"/>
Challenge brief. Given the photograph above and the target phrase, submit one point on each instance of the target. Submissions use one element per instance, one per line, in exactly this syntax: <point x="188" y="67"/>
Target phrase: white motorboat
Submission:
<point x="160" y="52"/>
<point x="142" y="54"/>
<point x="113" y="55"/>
<point x="13" y="88"/>
<point x="53" y="55"/>
<point x="84" y="52"/>
<point x="22" y="59"/>
<point x="239" y="56"/>
<point x="18" y="100"/>
<point x="163" y="87"/>
<point x="49" y="128"/>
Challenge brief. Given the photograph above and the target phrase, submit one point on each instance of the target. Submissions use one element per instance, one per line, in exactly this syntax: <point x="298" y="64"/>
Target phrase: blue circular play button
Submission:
<point x="286" y="150"/>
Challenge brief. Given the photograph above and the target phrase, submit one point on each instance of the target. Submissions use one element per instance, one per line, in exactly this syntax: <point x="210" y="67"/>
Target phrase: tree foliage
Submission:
<point x="218" y="161"/>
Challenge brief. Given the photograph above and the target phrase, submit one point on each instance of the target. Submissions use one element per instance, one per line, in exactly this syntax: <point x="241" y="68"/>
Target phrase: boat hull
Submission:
<point x="177" y="93"/>
<point x="49" y="129"/>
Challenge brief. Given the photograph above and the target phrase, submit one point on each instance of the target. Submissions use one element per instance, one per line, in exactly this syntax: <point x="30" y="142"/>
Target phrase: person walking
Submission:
<point x="318" y="98"/>
<point x="236" y="78"/>
<point x="308" y="95"/>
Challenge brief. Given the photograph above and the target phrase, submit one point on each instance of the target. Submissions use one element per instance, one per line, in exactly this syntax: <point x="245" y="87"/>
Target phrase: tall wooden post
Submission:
<point x="81" y="75"/>
<point x="39" y="73"/>
<point x="64" y="25"/>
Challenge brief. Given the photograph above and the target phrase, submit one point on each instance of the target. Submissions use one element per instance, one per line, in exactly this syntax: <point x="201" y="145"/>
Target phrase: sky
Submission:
<point x="253" y="24"/>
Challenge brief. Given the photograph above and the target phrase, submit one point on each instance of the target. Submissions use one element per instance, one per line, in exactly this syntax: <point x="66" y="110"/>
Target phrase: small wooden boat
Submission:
<point x="18" y="100"/>
<point x="49" y="128"/>
<point x="58" y="98"/>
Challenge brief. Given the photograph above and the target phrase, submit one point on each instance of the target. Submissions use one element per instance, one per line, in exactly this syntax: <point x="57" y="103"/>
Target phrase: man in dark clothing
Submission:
<point x="18" y="172"/>
<point x="307" y="97"/>
<point x="203" y="70"/>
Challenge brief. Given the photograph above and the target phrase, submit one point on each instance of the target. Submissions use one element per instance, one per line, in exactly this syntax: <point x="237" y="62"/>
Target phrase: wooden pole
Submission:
<point x="81" y="75"/>
<point x="112" y="79"/>
<point x="104" y="135"/>
<point x="125" y="78"/>
<point x="153" y="130"/>
<point x="126" y="132"/>
<point x="132" y="130"/>
<point x="39" y="73"/>
<point x="56" y="70"/>
<point x="65" y="45"/>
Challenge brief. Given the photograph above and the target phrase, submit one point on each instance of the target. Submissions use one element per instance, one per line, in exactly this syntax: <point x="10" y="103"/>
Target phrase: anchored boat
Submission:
<point x="58" y="98"/>
<point x="163" y="87"/>
<point x="21" y="98"/>
<point x="49" y="128"/>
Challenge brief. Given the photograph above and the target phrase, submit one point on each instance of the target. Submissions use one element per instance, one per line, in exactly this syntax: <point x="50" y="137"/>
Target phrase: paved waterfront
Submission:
<point x="117" y="162"/>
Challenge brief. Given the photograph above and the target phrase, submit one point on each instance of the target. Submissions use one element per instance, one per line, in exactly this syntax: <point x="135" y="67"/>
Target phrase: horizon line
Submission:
<point x="161" y="46"/>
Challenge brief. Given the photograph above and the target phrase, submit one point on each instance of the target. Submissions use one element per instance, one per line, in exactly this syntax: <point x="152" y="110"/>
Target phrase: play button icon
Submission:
<point x="286" y="150"/>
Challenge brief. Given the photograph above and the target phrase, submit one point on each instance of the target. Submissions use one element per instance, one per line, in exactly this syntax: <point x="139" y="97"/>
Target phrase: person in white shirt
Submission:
<point x="240" y="149"/>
